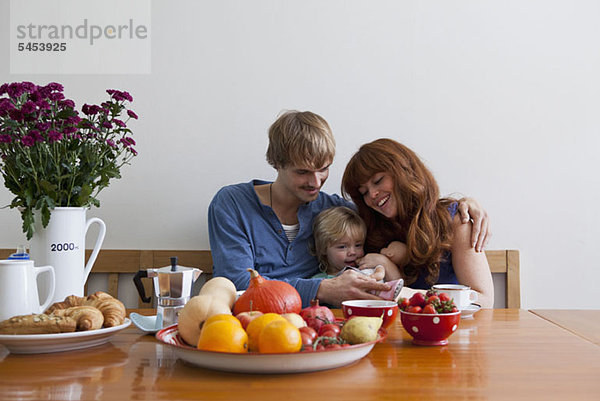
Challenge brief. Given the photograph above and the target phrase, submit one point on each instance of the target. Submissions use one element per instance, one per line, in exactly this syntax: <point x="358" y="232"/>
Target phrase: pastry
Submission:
<point x="37" y="324"/>
<point x="112" y="309"/>
<point x="87" y="317"/>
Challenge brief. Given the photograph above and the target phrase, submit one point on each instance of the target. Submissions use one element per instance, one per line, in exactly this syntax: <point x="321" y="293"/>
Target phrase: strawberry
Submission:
<point x="433" y="299"/>
<point x="417" y="299"/>
<point x="444" y="297"/>
<point x="414" y="309"/>
<point x="429" y="309"/>
<point x="445" y="306"/>
<point x="403" y="303"/>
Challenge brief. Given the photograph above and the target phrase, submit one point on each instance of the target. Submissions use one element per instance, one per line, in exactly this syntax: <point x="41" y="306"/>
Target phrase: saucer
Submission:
<point x="469" y="311"/>
<point x="149" y="324"/>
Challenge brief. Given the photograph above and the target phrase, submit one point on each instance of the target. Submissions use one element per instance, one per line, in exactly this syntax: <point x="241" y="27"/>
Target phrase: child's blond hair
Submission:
<point x="330" y="226"/>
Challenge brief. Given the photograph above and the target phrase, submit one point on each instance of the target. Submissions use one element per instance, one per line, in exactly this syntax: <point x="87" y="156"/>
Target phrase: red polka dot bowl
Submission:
<point x="388" y="310"/>
<point x="429" y="329"/>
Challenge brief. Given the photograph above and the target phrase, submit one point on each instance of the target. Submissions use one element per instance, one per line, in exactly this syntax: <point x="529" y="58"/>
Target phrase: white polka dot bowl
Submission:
<point x="429" y="329"/>
<point x="371" y="308"/>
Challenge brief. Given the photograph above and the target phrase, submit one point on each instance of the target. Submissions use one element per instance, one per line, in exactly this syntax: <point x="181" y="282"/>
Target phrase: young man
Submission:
<point x="267" y="226"/>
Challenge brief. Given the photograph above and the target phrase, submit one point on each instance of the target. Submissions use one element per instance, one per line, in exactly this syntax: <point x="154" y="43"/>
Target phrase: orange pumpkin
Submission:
<point x="268" y="296"/>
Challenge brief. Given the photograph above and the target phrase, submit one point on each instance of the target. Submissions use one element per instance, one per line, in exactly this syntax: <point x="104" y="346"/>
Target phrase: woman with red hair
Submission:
<point x="399" y="200"/>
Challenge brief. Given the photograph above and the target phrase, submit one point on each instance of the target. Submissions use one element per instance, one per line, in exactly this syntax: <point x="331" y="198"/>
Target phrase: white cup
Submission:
<point x="463" y="295"/>
<point x="18" y="288"/>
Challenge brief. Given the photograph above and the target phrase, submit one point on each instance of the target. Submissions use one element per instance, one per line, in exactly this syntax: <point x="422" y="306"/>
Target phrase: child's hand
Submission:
<point x="397" y="252"/>
<point x="373" y="260"/>
<point x="370" y="261"/>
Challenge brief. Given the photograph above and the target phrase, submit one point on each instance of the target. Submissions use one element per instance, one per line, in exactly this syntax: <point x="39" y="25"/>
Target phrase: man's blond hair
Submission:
<point x="300" y="138"/>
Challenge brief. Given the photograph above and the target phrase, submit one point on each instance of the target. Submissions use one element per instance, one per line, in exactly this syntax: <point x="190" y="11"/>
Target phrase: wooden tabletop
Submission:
<point x="500" y="354"/>
<point x="584" y="323"/>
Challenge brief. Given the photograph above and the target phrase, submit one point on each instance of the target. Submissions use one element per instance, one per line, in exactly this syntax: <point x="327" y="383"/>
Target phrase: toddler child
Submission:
<point x="339" y="235"/>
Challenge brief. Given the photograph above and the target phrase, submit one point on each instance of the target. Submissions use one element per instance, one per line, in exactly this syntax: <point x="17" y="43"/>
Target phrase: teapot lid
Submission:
<point x="173" y="268"/>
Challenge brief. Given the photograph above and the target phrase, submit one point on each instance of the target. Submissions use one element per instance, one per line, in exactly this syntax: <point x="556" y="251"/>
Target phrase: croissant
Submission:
<point x="112" y="309"/>
<point x="87" y="317"/>
<point x="70" y="301"/>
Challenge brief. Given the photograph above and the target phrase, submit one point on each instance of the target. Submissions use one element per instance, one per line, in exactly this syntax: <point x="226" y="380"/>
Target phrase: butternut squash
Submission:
<point x="222" y="288"/>
<point x="195" y="312"/>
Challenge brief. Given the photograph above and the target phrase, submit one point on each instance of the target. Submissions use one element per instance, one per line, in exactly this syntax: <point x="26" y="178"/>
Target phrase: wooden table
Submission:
<point x="584" y="323"/>
<point x="500" y="354"/>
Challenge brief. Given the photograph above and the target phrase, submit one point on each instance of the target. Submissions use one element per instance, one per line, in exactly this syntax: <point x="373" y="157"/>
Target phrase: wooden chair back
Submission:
<point x="114" y="262"/>
<point x="507" y="261"/>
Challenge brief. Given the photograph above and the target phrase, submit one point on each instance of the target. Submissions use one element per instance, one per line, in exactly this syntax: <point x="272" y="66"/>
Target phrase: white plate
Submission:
<point x="265" y="363"/>
<point x="469" y="311"/>
<point x="46" y="343"/>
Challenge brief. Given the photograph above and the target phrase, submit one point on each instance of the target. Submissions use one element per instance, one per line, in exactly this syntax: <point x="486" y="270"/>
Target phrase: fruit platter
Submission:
<point x="257" y="363"/>
<point x="265" y="330"/>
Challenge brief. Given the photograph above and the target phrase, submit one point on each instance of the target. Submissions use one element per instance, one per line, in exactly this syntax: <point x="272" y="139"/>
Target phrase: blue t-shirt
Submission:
<point x="447" y="274"/>
<point x="244" y="233"/>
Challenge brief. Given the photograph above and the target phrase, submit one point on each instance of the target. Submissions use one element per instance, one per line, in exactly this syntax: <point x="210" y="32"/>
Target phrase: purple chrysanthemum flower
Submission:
<point x="111" y="143"/>
<point x="73" y="120"/>
<point x="5" y="138"/>
<point x="68" y="103"/>
<point x="107" y="124"/>
<point x="69" y="129"/>
<point x="90" y="109"/>
<point x="28" y="107"/>
<point x="28" y="141"/>
<point x="5" y="105"/>
<point x="54" y="136"/>
<point x="15" y="90"/>
<point x="29" y="87"/>
<point x="35" y="134"/>
<point x="35" y="96"/>
<point x="119" y="95"/>
<point x="43" y="104"/>
<point x="131" y="114"/>
<point x="127" y="141"/>
<point x="119" y="122"/>
<point x="43" y="126"/>
<point x="54" y="86"/>
<point x="15" y="114"/>
<point x="56" y="96"/>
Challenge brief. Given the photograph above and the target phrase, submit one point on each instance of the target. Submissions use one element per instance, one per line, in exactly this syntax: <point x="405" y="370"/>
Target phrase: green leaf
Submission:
<point x="50" y="202"/>
<point x="47" y="186"/>
<point x="84" y="195"/>
<point x="28" y="227"/>
<point x="45" y="215"/>
<point x="28" y="196"/>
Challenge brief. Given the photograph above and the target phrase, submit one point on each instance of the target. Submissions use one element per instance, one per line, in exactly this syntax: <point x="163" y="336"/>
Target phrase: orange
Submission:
<point x="279" y="336"/>
<point x="223" y="316"/>
<point x="255" y="327"/>
<point x="223" y="336"/>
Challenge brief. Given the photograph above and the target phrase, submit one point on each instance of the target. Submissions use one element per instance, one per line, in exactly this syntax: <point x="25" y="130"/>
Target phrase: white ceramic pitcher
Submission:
<point x="62" y="245"/>
<point x="18" y="288"/>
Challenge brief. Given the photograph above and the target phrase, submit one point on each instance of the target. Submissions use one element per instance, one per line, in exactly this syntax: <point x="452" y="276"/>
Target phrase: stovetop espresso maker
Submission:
<point x="172" y="287"/>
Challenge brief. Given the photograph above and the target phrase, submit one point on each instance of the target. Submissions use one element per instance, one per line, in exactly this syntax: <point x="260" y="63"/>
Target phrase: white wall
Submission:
<point x="500" y="98"/>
